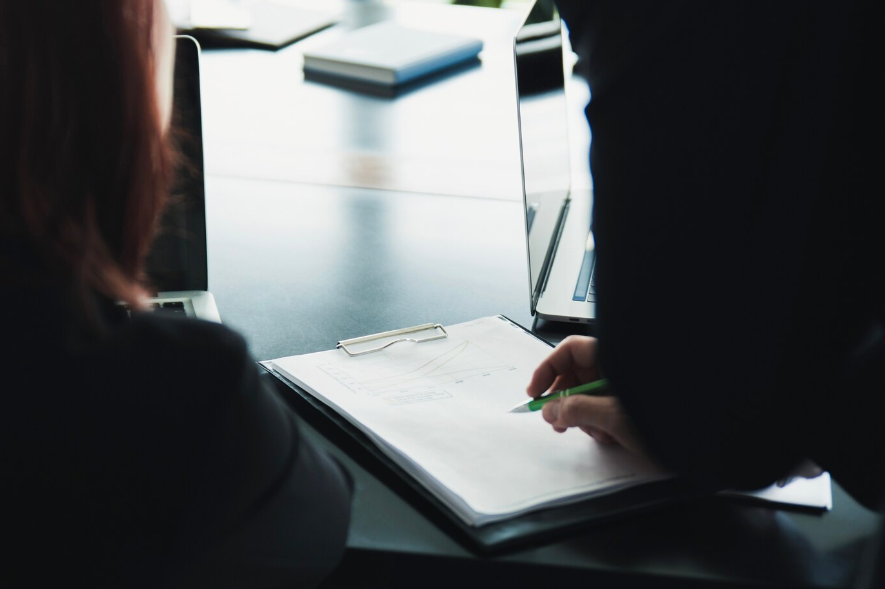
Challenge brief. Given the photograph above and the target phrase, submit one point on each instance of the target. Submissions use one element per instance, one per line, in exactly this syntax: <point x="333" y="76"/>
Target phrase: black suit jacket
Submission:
<point x="146" y="452"/>
<point x="736" y="159"/>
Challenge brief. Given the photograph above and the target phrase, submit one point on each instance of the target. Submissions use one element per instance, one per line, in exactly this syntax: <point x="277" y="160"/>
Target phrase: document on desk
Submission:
<point x="439" y="409"/>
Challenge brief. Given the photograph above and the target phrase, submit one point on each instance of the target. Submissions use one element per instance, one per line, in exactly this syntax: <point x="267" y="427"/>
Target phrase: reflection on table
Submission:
<point x="455" y="135"/>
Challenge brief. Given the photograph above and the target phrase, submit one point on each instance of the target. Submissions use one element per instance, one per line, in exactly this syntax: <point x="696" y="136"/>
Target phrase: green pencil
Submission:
<point x="595" y="388"/>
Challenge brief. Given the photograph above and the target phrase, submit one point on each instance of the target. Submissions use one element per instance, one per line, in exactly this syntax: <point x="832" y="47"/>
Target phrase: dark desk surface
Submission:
<point x="306" y="249"/>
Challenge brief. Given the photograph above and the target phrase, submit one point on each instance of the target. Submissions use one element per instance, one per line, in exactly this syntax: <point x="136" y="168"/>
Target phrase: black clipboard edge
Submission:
<point x="495" y="538"/>
<point x="528" y="331"/>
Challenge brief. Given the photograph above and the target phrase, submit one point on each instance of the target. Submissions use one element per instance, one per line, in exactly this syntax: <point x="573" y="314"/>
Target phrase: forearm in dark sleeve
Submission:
<point x="267" y="507"/>
<point x="297" y="531"/>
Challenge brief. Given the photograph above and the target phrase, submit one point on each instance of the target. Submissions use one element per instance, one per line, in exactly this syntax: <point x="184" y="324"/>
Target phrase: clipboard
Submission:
<point x="494" y="538"/>
<point x="369" y="344"/>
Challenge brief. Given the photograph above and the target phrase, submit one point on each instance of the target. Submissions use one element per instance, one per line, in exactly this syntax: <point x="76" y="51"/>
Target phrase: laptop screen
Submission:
<point x="177" y="260"/>
<point x="543" y="134"/>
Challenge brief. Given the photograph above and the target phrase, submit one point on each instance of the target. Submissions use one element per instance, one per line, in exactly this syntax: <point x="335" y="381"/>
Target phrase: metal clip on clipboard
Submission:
<point x="377" y="342"/>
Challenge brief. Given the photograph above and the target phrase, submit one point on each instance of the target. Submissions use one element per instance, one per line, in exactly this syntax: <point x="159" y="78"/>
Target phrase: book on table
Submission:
<point x="262" y="24"/>
<point x="389" y="54"/>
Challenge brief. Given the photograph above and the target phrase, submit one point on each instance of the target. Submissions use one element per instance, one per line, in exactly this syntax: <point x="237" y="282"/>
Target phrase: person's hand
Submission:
<point x="572" y="363"/>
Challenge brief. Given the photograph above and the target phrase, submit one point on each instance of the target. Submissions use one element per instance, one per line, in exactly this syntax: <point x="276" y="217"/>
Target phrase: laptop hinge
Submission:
<point x="551" y="253"/>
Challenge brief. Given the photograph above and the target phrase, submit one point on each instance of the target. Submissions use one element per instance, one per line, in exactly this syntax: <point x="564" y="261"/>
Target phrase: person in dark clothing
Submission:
<point x="736" y="155"/>
<point x="138" y="451"/>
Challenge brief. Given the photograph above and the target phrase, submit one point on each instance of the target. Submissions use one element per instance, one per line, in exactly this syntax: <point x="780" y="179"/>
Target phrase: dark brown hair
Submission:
<point x="85" y="165"/>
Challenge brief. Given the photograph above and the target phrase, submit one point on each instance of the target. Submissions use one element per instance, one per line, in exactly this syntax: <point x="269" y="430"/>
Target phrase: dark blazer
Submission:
<point x="146" y="452"/>
<point x="736" y="157"/>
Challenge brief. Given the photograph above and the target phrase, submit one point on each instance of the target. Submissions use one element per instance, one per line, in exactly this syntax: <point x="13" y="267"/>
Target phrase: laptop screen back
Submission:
<point x="177" y="260"/>
<point x="543" y="133"/>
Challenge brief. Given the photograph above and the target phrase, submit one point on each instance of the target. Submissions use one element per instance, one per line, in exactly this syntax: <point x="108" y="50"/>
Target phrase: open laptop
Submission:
<point x="559" y="241"/>
<point x="177" y="264"/>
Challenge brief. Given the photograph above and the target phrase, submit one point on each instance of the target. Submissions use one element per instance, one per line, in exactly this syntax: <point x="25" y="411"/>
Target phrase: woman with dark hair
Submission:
<point x="140" y="451"/>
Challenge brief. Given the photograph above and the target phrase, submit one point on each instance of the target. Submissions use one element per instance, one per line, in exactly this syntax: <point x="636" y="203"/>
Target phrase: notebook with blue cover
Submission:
<point x="390" y="54"/>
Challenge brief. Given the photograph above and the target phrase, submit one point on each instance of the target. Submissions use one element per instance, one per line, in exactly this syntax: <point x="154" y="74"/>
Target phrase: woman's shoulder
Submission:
<point x="44" y="323"/>
<point x="184" y="349"/>
<point x="175" y="335"/>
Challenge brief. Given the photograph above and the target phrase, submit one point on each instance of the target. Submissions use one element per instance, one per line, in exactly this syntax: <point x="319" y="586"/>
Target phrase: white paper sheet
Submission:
<point x="816" y="493"/>
<point x="440" y="410"/>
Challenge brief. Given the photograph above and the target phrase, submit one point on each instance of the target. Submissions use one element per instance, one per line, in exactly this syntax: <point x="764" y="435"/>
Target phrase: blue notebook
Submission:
<point x="390" y="54"/>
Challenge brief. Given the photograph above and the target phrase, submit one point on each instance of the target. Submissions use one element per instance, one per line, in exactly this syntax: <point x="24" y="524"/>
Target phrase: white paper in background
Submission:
<point x="210" y="14"/>
<point x="816" y="493"/>
<point x="441" y="410"/>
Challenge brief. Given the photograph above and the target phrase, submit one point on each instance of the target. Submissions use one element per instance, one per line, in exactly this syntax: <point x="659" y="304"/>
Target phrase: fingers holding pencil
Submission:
<point x="571" y="363"/>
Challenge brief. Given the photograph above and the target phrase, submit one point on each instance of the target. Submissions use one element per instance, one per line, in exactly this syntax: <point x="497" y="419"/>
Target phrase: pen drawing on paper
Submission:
<point x="439" y="410"/>
<point x="401" y="377"/>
